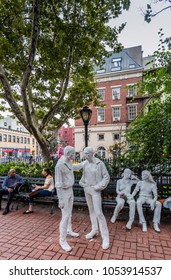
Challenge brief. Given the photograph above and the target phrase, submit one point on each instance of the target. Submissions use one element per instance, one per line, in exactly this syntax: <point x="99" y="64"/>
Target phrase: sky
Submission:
<point x="138" y="32"/>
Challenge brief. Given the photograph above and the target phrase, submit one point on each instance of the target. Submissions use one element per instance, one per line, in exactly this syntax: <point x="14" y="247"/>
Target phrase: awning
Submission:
<point x="23" y="151"/>
<point x="9" y="151"/>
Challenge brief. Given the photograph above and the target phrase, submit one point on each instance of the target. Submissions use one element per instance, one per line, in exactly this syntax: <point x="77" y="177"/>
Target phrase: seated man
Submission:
<point x="10" y="187"/>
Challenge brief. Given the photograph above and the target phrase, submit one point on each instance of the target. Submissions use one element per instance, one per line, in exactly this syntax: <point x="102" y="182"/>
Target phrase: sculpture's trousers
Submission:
<point x="120" y="205"/>
<point x="65" y="223"/>
<point x="157" y="209"/>
<point x="94" y="202"/>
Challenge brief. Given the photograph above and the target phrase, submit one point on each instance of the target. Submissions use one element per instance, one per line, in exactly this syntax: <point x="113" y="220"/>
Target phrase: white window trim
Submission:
<point x="116" y="119"/>
<point x="104" y="93"/>
<point x="113" y="87"/>
<point x="132" y="84"/>
<point x="133" y="104"/>
<point x="97" y="114"/>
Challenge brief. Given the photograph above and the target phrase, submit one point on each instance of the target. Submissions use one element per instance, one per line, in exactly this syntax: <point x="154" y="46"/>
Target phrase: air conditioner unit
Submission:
<point x="131" y="95"/>
<point x="116" y="119"/>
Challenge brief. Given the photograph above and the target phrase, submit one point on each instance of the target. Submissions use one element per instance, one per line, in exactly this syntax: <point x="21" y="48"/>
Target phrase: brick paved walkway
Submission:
<point x="35" y="237"/>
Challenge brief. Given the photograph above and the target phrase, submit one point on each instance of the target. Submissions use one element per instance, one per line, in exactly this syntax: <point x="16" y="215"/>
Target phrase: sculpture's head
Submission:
<point x="146" y="175"/>
<point x="88" y="153"/>
<point x="69" y="152"/>
<point x="127" y="173"/>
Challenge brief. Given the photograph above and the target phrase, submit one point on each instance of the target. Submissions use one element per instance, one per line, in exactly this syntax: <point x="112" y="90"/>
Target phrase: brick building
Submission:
<point x="122" y="102"/>
<point x="65" y="136"/>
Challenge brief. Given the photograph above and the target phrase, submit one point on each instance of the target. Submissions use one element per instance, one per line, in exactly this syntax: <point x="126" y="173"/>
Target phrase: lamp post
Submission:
<point x="86" y="113"/>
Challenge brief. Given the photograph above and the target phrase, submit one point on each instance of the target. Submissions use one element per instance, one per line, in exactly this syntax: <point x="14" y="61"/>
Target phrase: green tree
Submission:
<point x="47" y="49"/>
<point x="151" y="133"/>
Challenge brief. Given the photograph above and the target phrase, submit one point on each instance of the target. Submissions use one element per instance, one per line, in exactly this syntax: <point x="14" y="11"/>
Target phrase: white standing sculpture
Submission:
<point x="148" y="194"/>
<point x="95" y="178"/>
<point x="123" y="190"/>
<point x="64" y="180"/>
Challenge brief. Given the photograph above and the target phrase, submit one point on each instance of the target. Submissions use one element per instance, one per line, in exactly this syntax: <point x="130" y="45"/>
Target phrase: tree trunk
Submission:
<point x="45" y="150"/>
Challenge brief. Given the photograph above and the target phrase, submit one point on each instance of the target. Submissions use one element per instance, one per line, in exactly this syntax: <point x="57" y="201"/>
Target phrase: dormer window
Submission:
<point x="116" y="64"/>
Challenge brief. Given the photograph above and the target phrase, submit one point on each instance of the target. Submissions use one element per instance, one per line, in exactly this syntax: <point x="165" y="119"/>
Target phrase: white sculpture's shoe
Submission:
<point x="128" y="225"/>
<point x="65" y="246"/>
<point x="91" y="234"/>
<point x="156" y="227"/>
<point x="105" y="245"/>
<point x="72" y="233"/>
<point x="144" y="227"/>
<point x="113" y="219"/>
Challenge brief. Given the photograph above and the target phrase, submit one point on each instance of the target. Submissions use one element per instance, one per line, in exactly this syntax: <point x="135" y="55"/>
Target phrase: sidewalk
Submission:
<point x="35" y="237"/>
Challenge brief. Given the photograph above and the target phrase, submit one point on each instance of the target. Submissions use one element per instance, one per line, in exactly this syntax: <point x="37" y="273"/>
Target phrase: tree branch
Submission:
<point x="155" y="14"/>
<point x="52" y="111"/>
<point x="31" y="58"/>
<point x="10" y="99"/>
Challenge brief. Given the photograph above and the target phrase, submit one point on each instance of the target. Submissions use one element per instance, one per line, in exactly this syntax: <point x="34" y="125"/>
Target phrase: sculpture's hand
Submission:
<point x="97" y="188"/>
<point x="61" y="205"/>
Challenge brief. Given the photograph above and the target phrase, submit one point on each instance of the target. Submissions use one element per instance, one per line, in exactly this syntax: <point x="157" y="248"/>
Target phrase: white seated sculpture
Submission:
<point x="123" y="190"/>
<point x="64" y="180"/>
<point x="148" y="194"/>
<point x="94" y="179"/>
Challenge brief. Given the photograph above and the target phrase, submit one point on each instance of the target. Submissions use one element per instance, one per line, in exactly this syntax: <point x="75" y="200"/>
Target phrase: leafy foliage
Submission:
<point x="47" y="53"/>
<point x="26" y="170"/>
<point x="151" y="133"/>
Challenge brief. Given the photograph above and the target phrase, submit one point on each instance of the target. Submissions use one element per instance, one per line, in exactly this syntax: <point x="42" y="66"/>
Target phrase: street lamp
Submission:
<point x="86" y="113"/>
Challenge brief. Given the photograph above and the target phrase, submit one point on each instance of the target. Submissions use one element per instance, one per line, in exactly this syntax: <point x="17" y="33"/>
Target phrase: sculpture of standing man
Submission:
<point x="64" y="180"/>
<point x="94" y="179"/>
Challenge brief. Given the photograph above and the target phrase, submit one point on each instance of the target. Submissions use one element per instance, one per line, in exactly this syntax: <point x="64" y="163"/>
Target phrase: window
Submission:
<point x="116" y="64"/>
<point x="131" y="66"/>
<point x="116" y="93"/>
<point x="9" y="138"/>
<point x="101" y="93"/>
<point x="116" y="136"/>
<point x="5" y="123"/>
<point x="25" y="140"/>
<point x="33" y="141"/>
<point x="132" y="90"/>
<point x="0" y="137"/>
<point x="18" y="139"/>
<point x="100" y="115"/>
<point x="5" y="137"/>
<point x="14" y="138"/>
<point x="116" y="114"/>
<point x="28" y="140"/>
<point x="100" y="71"/>
<point x="100" y="136"/>
<point x="101" y="151"/>
<point x="132" y="112"/>
<point x="21" y="140"/>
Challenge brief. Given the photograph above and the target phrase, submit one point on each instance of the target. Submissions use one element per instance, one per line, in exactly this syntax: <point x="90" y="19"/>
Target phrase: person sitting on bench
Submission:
<point x="10" y="187"/>
<point x="41" y="191"/>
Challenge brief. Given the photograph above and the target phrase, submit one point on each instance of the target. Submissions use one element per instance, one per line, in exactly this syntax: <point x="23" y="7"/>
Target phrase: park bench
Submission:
<point x="25" y="189"/>
<point x="108" y="194"/>
<point x="163" y="186"/>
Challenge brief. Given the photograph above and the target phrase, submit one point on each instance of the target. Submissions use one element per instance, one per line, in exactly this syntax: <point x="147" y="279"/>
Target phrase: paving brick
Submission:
<point x="140" y="255"/>
<point x="36" y="237"/>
